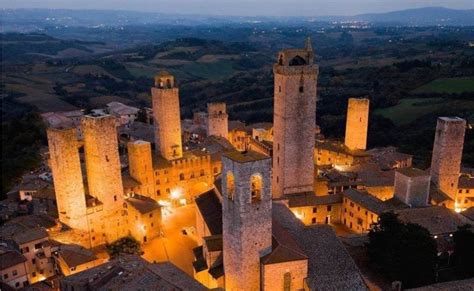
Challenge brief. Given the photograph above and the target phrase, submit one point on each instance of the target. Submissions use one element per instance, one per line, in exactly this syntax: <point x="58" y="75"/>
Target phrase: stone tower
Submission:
<point x="246" y="217"/>
<point x="357" y="123"/>
<point x="67" y="177"/>
<point x="104" y="176"/>
<point x="447" y="154"/>
<point x="165" y="99"/>
<point x="140" y="166"/>
<point x="412" y="186"/>
<point x="217" y="124"/>
<point x="294" y="121"/>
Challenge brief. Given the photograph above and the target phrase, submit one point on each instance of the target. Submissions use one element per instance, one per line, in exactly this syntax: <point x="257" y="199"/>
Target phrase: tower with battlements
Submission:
<point x="246" y="217"/>
<point x="357" y="123"/>
<point x="217" y="124"/>
<point x="166" y="115"/>
<point x="67" y="177"/>
<point x="447" y="154"/>
<point x="294" y="121"/>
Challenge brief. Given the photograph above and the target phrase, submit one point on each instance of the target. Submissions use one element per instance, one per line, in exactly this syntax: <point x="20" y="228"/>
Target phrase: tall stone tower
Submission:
<point x="103" y="168"/>
<point x="246" y="217"/>
<point x="67" y="177"/>
<point x="140" y="166"/>
<point x="217" y="124"/>
<point x="357" y="123"/>
<point x="447" y="154"/>
<point x="165" y="99"/>
<point x="294" y="121"/>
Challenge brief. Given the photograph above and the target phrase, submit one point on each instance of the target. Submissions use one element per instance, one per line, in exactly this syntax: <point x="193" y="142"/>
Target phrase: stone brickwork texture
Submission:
<point x="217" y="124"/>
<point x="294" y="122"/>
<point x="357" y="123"/>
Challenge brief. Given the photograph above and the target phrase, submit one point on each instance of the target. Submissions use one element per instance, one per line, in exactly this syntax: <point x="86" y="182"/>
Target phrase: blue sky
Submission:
<point x="243" y="7"/>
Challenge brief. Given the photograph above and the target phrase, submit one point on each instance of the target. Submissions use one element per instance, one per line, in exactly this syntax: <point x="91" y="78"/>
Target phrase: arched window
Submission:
<point x="168" y="83"/>
<point x="230" y="185"/>
<point x="256" y="185"/>
<point x="297" y="61"/>
<point x="181" y="177"/>
<point x="280" y="60"/>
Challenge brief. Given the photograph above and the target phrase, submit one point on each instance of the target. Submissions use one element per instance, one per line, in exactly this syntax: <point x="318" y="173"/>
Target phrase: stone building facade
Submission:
<point x="357" y="123"/>
<point x="294" y="121"/>
<point x="412" y="186"/>
<point x="447" y="154"/>
<point x="140" y="166"/>
<point x="167" y="122"/>
<point x="217" y="124"/>
<point x="67" y="176"/>
<point x="247" y="203"/>
<point x="104" y="176"/>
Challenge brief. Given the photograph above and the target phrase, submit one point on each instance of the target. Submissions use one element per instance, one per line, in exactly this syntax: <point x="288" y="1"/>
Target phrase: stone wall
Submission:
<point x="141" y="166"/>
<point x="167" y="120"/>
<point x="413" y="191"/>
<point x="294" y="123"/>
<point x="447" y="154"/>
<point x="217" y="120"/>
<point x="247" y="223"/>
<point x="357" y="123"/>
<point x="274" y="274"/>
<point x="67" y="176"/>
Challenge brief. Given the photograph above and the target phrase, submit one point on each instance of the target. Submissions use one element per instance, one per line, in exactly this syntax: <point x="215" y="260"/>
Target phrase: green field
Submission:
<point x="410" y="109"/>
<point x="448" y="85"/>
<point x="214" y="71"/>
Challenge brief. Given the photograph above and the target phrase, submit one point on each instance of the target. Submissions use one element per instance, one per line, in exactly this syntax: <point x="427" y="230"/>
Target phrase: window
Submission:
<point x="230" y="185"/>
<point x="315" y="209"/>
<point x="201" y="173"/>
<point x="33" y="274"/>
<point x="301" y="89"/>
<point x="25" y="250"/>
<point x="215" y="170"/>
<point x="151" y="215"/>
<point x="287" y="281"/>
<point x="38" y="246"/>
<point x="33" y="261"/>
<point x="115" y="197"/>
<point x="5" y="276"/>
<point x="279" y="89"/>
<point x="17" y="284"/>
<point x="158" y="182"/>
<point x="158" y="192"/>
<point x="256" y="183"/>
<point x="181" y="177"/>
<point x="15" y="272"/>
<point x="329" y="208"/>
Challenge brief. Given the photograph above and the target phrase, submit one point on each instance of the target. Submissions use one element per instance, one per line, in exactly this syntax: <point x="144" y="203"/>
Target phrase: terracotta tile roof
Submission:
<point x="142" y="204"/>
<point x="412" y="172"/>
<point x="437" y="219"/>
<point x="11" y="258"/>
<point x="330" y="267"/>
<point x="469" y="213"/>
<point x="213" y="243"/>
<point x="210" y="208"/>
<point x="75" y="255"/>
<point x="437" y="195"/>
<point x="365" y="200"/>
<point x="309" y="199"/>
<point x="466" y="182"/>
<point x="284" y="247"/>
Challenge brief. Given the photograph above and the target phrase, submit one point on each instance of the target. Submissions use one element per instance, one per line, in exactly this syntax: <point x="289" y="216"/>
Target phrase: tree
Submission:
<point x="405" y="252"/>
<point x="464" y="249"/>
<point x="127" y="245"/>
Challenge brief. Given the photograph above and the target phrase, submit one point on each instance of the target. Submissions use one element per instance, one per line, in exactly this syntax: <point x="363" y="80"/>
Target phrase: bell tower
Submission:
<point x="246" y="217"/>
<point x="294" y="121"/>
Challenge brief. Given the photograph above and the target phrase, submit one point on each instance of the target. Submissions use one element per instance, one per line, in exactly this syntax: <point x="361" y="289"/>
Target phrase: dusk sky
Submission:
<point x="243" y="7"/>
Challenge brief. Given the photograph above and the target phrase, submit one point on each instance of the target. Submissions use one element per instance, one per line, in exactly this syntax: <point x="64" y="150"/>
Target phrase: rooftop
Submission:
<point x="131" y="272"/>
<point x="469" y="213"/>
<point x="10" y="258"/>
<point x="30" y="235"/>
<point x="412" y="172"/>
<point x="330" y="267"/>
<point x="210" y="208"/>
<point x="213" y="242"/>
<point x="466" y="182"/>
<point x="75" y="255"/>
<point x="437" y="219"/>
<point x="245" y="156"/>
<point x="309" y="199"/>
<point x="143" y="204"/>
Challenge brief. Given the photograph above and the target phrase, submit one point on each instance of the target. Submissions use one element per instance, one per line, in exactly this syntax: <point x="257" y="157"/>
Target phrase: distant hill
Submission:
<point x="420" y="17"/>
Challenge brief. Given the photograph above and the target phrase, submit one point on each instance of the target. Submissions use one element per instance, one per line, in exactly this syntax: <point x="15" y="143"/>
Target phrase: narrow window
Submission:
<point x="230" y="185"/>
<point x="301" y="89"/>
<point x="287" y="281"/>
<point x="256" y="184"/>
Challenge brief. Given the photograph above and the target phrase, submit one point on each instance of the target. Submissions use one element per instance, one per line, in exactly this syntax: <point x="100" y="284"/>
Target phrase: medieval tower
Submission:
<point x="357" y="123"/>
<point x="67" y="176"/>
<point x="294" y="121"/>
<point x="246" y="217"/>
<point x="103" y="168"/>
<point x="447" y="154"/>
<point x="165" y="99"/>
<point x="217" y="124"/>
<point x="140" y="166"/>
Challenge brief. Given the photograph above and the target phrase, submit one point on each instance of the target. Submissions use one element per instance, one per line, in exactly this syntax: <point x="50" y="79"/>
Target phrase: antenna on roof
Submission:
<point x="308" y="46"/>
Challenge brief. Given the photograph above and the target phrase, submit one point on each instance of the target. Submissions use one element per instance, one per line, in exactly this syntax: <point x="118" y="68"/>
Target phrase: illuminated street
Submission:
<point x="174" y="246"/>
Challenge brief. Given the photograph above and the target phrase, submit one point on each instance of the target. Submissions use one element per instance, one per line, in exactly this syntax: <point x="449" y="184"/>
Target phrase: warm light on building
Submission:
<point x="176" y="193"/>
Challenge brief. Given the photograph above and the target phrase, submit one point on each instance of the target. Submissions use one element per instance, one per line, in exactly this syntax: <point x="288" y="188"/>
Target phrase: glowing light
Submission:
<point x="298" y="215"/>
<point x="457" y="210"/>
<point x="164" y="203"/>
<point x="435" y="237"/>
<point x="176" y="193"/>
<point x="182" y="201"/>
<point x="141" y="227"/>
